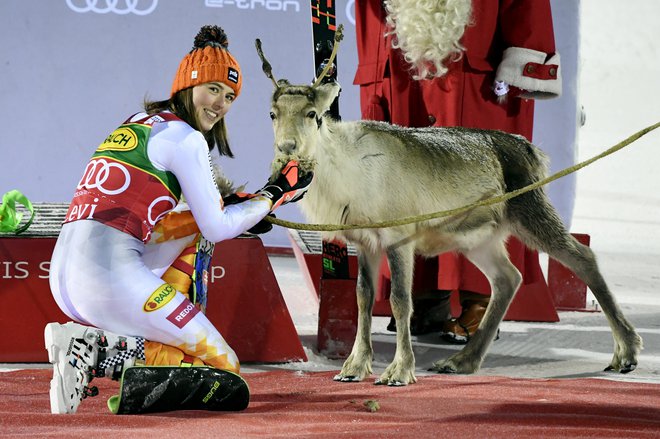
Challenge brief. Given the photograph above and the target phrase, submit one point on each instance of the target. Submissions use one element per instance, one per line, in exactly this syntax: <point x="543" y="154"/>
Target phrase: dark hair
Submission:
<point x="181" y="104"/>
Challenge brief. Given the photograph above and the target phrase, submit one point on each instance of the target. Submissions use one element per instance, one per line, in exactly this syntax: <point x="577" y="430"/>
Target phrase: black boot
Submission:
<point x="430" y="312"/>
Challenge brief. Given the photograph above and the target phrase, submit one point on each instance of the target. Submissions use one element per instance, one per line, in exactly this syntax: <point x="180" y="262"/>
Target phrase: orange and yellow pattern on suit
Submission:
<point x="189" y="354"/>
<point x="173" y="226"/>
<point x="181" y="225"/>
<point x="158" y="354"/>
<point x="195" y="342"/>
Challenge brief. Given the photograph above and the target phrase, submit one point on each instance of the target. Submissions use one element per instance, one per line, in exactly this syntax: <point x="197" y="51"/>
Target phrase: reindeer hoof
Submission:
<point x="392" y="383"/>
<point x="443" y="369"/>
<point x="626" y="368"/>
<point x="347" y="378"/>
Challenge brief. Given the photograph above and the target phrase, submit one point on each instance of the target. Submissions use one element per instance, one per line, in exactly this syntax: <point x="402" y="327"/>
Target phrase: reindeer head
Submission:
<point x="297" y="113"/>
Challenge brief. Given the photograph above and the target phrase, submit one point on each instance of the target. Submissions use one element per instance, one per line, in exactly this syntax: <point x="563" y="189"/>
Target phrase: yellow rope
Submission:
<point x="457" y="211"/>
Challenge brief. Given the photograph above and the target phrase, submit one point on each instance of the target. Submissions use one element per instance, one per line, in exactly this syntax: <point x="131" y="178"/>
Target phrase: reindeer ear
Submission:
<point x="326" y="94"/>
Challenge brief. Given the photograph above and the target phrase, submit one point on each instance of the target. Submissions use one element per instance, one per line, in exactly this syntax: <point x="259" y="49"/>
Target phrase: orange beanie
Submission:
<point x="208" y="61"/>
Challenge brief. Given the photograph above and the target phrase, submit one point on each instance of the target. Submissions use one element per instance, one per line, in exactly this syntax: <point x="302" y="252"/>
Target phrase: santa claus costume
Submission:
<point x="477" y="64"/>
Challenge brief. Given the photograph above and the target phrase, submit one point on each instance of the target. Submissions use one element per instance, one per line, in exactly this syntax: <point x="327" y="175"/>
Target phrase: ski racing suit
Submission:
<point x="105" y="270"/>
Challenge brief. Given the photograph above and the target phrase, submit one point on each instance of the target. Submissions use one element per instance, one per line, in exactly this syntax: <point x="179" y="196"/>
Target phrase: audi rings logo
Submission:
<point x="162" y="211"/>
<point x="119" y="7"/>
<point x="108" y="178"/>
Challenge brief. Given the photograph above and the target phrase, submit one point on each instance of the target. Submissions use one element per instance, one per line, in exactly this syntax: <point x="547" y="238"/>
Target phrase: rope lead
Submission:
<point x="460" y="210"/>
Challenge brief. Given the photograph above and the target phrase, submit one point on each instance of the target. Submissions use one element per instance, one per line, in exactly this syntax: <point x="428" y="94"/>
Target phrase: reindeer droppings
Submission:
<point x="372" y="405"/>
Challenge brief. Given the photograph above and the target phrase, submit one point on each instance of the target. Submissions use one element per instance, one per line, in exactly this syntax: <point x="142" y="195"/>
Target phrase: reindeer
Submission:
<point x="367" y="172"/>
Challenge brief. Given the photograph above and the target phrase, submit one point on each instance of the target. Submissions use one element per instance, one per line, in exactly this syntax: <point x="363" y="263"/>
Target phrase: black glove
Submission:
<point x="236" y="198"/>
<point x="262" y="226"/>
<point x="289" y="186"/>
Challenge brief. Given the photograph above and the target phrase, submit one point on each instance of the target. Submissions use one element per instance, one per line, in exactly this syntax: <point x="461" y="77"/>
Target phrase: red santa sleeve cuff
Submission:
<point x="529" y="70"/>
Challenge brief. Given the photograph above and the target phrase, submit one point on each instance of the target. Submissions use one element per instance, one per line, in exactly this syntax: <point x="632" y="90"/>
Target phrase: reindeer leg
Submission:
<point x="402" y="369"/>
<point x="627" y="343"/>
<point x="358" y="364"/>
<point x="491" y="258"/>
<point x="544" y="230"/>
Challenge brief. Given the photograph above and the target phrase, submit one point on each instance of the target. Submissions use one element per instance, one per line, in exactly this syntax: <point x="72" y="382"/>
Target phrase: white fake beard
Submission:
<point x="428" y="32"/>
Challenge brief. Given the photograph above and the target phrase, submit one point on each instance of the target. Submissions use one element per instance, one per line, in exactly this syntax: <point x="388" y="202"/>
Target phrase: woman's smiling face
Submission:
<point x="212" y="101"/>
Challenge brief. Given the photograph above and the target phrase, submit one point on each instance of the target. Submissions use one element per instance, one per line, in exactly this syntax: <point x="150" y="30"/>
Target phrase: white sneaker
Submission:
<point x="73" y="351"/>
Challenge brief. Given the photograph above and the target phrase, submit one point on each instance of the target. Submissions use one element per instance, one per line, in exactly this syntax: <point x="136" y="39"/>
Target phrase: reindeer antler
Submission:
<point x="339" y="35"/>
<point x="265" y="65"/>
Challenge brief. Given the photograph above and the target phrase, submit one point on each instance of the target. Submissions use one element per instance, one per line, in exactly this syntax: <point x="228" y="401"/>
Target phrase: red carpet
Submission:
<point x="312" y="405"/>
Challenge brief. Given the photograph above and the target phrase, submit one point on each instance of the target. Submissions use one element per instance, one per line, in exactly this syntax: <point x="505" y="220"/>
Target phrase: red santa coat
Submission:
<point x="509" y="40"/>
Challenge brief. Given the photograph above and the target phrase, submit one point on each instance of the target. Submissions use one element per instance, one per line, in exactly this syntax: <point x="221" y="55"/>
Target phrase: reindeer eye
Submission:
<point x="272" y="116"/>
<point x="311" y="114"/>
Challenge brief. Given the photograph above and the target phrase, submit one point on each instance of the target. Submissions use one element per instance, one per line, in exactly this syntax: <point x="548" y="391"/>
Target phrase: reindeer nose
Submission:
<point x="287" y="146"/>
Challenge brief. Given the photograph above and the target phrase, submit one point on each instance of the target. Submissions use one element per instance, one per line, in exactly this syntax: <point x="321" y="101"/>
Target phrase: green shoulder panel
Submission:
<point x="128" y="144"/>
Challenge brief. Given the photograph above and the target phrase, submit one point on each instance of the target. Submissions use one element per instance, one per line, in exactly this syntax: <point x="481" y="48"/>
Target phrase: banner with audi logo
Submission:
<point x="136" y="7"/>
<point x="72" y="70"/>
